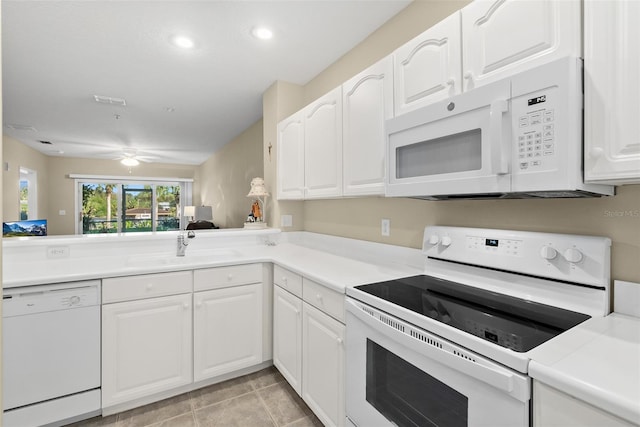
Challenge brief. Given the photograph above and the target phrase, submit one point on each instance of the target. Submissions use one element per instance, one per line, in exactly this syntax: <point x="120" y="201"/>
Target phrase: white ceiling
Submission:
<point x="56" y="55"/>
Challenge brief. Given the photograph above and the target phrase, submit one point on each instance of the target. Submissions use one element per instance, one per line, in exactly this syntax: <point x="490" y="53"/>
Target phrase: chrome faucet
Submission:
<point x="183" y="243"/>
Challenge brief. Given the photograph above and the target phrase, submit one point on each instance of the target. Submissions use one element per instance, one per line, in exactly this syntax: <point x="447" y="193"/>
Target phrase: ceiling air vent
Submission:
<point x="109" y="100"/>
<point x="22" y="127"/>
<point x="45" y="142"/>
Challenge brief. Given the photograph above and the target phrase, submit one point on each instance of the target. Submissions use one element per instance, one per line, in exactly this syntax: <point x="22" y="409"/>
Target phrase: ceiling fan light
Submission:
<point x="128" y="161"/>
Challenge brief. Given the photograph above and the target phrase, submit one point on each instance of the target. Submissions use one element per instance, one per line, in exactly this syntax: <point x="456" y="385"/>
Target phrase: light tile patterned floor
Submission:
<point x="262" y="399"/>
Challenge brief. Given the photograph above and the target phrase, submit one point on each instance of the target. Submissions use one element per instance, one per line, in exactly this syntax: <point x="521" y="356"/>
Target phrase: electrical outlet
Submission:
<point x="286" y="221"/>
<point x="386" y="227"/>
<point x="56" y="252"/>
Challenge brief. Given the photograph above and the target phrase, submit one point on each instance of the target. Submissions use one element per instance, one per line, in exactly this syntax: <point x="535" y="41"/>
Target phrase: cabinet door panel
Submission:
<point x="227" y="330"/>
<point x="504" y="37"/>
<point x="287" y="336"/>
<point x="612" y="90"/>
<point x="323" y="366"/>
<point x="146" y="347"/>
<point x="367" y="101"/>
<point x="291" y="157"/>
<point x="323" y="146"/>
<point x="427" y="69"/>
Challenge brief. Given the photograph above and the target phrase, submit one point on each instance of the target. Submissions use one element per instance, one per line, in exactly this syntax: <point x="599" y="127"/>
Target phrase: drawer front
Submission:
<point x="323" y="298"/>
<point x="146" y="286"/>
<point x="288" y="280"/>
<point x="224" y="277"/>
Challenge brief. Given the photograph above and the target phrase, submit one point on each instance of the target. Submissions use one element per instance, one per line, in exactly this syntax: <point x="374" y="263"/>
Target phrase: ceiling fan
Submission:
<point x="132" y="158"/>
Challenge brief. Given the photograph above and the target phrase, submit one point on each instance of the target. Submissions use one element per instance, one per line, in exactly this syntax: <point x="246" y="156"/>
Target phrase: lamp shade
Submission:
<point x="189" y="211"/>
<point x="257" y="188"/>
<point x="204" y="213"/>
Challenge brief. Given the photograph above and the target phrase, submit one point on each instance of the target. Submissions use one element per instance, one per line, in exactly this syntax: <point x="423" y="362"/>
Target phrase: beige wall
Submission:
<point x="17" y="155"/>
<point x="223" y="181"/>
<point x="616" y="217"/>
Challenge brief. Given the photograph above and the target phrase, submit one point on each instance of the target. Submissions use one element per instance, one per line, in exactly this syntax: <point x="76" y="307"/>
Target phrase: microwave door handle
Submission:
<point x="499" y="149"/>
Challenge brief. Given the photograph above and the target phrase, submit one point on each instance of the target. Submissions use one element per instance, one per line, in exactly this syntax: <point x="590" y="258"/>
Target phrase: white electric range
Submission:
<point x="450" y="347"/>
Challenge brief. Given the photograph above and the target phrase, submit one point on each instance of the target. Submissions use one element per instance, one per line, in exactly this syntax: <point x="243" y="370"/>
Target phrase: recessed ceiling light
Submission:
<point x="262" y="33"/>
<point x="183" y="42"/>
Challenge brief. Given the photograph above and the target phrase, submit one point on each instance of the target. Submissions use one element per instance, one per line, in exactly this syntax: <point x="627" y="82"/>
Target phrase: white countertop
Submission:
<point x="334" y="271"/>
<point x="598" y="362"/>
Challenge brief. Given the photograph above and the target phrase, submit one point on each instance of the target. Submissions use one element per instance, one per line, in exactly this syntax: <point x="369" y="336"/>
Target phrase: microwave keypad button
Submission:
<point x="537" y="154"/>
<point x="548" y="127"/>
<point x="538" y="147"/>
<point x="529" y="155"/>
<point x="521" y="138"/>
<point x="524" y="121"/>
<point x="548" y="116"/>
<point x="521" y="144"/>
<point x="530" y="148"/>
<point x="535" y="119"/>
<point x="524" y="165"/>
<point x="548" y="133"/>
<point x="529" y="136"/>
<point x="548" y="146"/>
<point x="535" y="163"/>
<point x="538" y="141"/>
<point x="538" y="135"/>
<point x="548" y="153"/>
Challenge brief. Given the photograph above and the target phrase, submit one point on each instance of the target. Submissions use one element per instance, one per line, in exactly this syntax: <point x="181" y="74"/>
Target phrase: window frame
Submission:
<point x="186" y="195"/>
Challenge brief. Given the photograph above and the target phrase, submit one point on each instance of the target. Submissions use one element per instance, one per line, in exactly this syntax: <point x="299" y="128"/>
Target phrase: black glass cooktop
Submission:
<point x="511" y="322"/>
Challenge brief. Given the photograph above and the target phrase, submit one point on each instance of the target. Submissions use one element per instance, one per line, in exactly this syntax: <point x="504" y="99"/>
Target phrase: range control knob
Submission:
<point x="446" y="241"/>
<point x="434" y="239"/>
<point x="572" y="255"/>
<point x="547" y="252"/>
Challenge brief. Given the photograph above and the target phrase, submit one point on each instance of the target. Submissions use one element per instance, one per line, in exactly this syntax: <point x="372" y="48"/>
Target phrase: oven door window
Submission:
<point x="409" y="397"/>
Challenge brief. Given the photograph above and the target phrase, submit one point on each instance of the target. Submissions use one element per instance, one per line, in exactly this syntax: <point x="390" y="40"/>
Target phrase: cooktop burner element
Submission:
<point x="510" y="322"/>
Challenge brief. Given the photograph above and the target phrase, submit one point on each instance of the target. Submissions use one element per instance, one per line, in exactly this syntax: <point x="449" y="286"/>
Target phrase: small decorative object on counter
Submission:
<point x="256" y="220"/>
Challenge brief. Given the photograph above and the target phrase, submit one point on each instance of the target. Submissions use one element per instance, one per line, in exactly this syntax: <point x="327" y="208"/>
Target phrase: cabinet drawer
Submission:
<point x="223" y="277"/>
<point x="145" y="286"/>
<point x="327" y="300"/>
<point x="288" y="280"/>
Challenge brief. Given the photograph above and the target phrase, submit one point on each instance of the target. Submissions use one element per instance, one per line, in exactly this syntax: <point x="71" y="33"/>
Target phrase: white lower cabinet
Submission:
<point x="227" y="330"/>
<point x="146" y="347"/>
<point x="308" y="343"/>
<point x="323" y="361"/>
<point x="553" y="408"/>
<point x="287" y="336"/>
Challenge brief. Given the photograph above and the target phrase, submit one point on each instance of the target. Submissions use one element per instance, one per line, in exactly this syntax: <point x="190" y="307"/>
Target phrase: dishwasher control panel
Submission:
<point x="45" y="298"/>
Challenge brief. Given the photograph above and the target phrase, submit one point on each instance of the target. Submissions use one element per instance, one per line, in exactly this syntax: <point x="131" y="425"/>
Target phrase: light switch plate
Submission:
<point x="385" y="227"/>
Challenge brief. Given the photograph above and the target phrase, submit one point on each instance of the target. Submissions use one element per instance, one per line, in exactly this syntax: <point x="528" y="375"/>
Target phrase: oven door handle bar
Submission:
<point x="442" y="351"/>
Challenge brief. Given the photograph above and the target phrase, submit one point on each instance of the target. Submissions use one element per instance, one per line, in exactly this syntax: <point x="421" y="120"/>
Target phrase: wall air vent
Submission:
<point x="109" y="100"/>
<point x="22" y="127"/>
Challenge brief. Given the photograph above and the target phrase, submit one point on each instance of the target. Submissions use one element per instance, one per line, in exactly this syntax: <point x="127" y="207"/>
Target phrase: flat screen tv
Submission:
<point x="36" y="227"/>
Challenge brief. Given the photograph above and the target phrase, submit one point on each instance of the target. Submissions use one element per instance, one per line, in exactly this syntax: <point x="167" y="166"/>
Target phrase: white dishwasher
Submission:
<point x="51" y="353"/>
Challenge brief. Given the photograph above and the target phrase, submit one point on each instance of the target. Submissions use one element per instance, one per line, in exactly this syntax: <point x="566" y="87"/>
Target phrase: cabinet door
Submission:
<point x="323" y="366"/>
<point x="428" y="68"/>
<point x="367" y="101"/>
<point x="146" y="347"/>
<point x="323" y="146"/>
<point x="227" y="330"/>
<point x="287" y="336"/>
<point x="504" y="37"/>
<point x="291" y="157"/>
<point x="612" y="90"/>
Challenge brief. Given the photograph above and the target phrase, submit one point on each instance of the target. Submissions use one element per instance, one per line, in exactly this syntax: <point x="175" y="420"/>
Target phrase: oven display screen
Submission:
<point x="492" y="242"/>
<point x="491" y="336"/>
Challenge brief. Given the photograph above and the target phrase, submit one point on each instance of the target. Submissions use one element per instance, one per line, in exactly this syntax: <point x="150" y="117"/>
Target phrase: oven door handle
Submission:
<point x="441" y="351"/>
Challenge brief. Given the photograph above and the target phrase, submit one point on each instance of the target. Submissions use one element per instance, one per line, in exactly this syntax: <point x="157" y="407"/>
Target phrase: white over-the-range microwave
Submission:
<point x="521" y="137"/>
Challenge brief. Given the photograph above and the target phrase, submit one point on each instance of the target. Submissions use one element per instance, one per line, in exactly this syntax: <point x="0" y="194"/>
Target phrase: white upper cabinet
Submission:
<point x="291" y="158"/>
<point x="427" y="69"/>
<point x="323" y="146"/>
<point x="367" y="101"/>
<point x="612" y="90"/>
<point x="504" y="37"/>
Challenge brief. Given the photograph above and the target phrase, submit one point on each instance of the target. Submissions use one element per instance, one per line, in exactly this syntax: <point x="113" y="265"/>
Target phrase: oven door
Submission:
<point x="460" y="146"/>
<point x="399" y="375"/>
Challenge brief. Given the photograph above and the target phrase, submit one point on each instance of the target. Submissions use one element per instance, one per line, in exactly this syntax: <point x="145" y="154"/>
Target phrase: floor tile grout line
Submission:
<point x="266" y="408"/>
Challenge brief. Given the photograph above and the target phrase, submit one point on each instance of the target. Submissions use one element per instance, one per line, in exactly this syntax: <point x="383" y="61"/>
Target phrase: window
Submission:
<point x="115" y="206"/>
<point x="28" y="194"/>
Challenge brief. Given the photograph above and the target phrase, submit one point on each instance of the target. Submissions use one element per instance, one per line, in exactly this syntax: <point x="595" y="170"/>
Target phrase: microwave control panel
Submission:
<point x="535" y="132"/>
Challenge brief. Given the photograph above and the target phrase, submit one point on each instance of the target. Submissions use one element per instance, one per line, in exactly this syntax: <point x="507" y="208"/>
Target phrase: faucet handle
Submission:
<point x="191" y="234"/>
